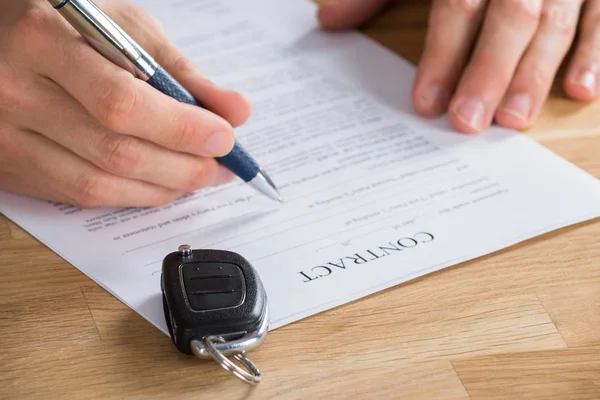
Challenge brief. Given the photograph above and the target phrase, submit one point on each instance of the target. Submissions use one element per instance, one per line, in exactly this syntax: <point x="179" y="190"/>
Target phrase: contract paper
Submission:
<point x="375" y="195"/>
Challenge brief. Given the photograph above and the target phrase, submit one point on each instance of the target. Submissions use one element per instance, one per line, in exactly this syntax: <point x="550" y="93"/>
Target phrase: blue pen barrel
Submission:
<point x="238" y="160"/>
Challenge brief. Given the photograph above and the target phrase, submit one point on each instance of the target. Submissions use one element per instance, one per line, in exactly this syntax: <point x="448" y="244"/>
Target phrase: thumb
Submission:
<point x="345" y="14"/>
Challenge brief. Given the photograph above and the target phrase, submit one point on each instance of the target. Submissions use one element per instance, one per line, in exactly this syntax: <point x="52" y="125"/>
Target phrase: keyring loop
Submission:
<point x="250" y="341"/>
<point x="251" y="375"/>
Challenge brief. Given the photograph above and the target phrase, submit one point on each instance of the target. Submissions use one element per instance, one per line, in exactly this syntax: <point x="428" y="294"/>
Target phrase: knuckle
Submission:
<point x="185" y="132"/>
<point x="122" y="155"/>
<point x="143" y="18"/>
<point x="33" y="18"/>
<point x="540" y="76"/>
<point x="183" y="64"/>
<point x="560" y="18"/>
<point x="118" y="101"/>
<point x="10" y="94"/>
<point x="30" y="29"/>
<point x="7" y="144"/>
<point x="523" y="10"/>
<point x="89" y="190"/>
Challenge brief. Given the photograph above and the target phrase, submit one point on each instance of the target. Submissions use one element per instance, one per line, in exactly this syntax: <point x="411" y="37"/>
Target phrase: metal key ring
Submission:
<point x="250" y="341"/>
<point x="251" y="375"/>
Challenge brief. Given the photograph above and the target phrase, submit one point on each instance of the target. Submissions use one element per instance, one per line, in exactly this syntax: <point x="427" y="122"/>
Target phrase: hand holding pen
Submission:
<point x="91" y="132"/>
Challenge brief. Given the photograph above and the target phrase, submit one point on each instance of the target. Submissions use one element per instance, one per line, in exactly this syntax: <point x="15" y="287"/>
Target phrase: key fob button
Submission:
<point x="210" y="293"/>
<point x="213" y="285"/>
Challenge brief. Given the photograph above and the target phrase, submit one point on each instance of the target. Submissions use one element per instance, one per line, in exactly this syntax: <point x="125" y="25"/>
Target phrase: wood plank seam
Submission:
<point x="553" y="322"/>
<point x="460" y="380"/>
<point x="91" y="313"/>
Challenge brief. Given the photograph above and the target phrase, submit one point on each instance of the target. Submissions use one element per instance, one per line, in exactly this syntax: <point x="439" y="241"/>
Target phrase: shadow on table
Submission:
<point x="150" y="365"/>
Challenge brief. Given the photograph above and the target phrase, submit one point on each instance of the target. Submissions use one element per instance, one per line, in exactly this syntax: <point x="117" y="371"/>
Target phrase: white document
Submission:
<point x="375" y="195"/>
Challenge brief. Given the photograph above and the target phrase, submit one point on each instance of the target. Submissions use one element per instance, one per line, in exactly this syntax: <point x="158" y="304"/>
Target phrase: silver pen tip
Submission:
<point x="264" y="184"/>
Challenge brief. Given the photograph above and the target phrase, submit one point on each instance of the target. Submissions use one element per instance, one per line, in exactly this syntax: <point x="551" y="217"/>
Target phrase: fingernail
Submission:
<point x="587" y="79"/>
<point x="471" y="112"/>
<point x="224" y="176"/>
<point x="432" y="97"/>
<point x="219" y="144"/>
<point x="518" y="105"/>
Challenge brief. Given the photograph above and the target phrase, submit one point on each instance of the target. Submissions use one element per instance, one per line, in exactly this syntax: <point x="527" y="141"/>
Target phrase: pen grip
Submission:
<point x="238" y="160"/>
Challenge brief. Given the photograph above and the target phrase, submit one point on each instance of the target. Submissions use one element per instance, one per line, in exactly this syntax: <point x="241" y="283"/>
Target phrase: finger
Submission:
<point x="230" y="105"/>
<point x="47" y="170"/>
<point x="451" y="32"/>
<point x="344" y="14"/>
<point x="508" y="27"/>
<point x="121" y="155"/>
<point x="583" y="75"/>
<point x="538" y="67"/>
<point x="127" y="105"/>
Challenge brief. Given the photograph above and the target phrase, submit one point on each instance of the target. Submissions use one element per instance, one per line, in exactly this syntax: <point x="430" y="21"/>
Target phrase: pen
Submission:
<point x="103" y="34"/>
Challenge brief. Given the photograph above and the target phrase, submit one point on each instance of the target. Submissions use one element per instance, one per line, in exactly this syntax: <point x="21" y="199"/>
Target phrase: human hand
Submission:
<point x="76" y="129"/>
<point x="518" y="46"/>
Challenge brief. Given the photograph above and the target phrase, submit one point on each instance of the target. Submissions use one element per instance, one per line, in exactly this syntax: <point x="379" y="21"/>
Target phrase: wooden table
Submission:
<point x="521" y="323"/>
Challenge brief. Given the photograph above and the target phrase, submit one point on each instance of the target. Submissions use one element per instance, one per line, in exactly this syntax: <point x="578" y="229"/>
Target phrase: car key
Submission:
<point x="215" y="306"/>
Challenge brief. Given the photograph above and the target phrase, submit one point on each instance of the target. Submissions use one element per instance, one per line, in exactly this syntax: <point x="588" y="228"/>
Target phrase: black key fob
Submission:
<point x="213" y="295"/>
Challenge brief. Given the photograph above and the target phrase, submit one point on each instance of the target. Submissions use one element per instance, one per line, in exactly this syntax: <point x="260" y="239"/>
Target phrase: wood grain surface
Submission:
<point x="523" y="323"/>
